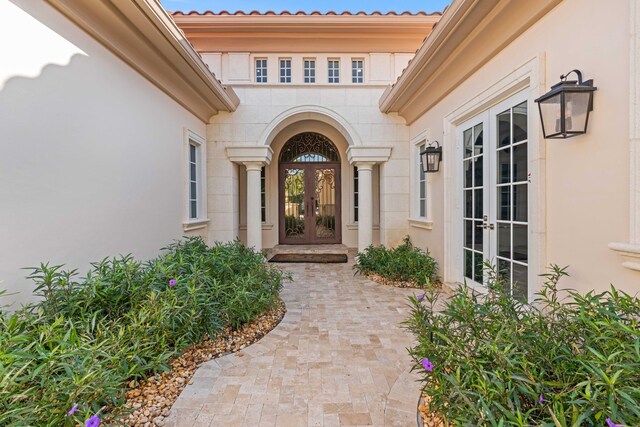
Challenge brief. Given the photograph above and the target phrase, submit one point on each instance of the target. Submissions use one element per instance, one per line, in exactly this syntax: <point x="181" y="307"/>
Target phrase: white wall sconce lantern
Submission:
<point x="564" y="110"/>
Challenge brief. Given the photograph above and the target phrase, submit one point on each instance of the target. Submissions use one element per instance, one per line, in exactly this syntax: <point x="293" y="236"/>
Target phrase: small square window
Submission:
<point x="334" y="71"/>
<point x="261" y="71"/>
<point x="285" y="71"/>
<point x="357" y="71"/>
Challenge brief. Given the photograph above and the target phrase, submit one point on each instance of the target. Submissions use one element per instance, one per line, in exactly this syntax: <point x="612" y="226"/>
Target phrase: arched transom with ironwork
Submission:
<point x="309" y="147"/>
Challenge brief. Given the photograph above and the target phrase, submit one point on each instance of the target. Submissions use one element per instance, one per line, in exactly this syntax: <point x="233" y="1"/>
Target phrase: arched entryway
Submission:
<point x="309" y="191"/>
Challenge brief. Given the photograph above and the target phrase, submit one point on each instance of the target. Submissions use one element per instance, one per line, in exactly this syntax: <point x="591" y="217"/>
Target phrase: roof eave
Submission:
<point x="470" y="33"/>
<point x="129" y="28"/>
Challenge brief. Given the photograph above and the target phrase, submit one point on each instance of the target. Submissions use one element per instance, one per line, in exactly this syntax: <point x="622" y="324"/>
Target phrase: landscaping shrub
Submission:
<point x="492" y="360"/>
<point x="328" y="221"/>
<point x="125" y="320"/>
<point x="405" y="263"/>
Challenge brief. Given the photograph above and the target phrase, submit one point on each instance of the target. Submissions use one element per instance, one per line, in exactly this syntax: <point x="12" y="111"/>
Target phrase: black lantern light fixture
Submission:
<point x="564" y="110"/>
<point x="431" y="157"/>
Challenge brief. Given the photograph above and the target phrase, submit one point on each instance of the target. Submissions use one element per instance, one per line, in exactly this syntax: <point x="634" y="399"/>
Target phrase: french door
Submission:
<point x="310" y="203"/>
<point x="495" y="184"/>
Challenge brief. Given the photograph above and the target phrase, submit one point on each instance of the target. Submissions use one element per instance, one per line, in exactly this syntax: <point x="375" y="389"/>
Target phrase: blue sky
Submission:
<point x="307" y="5"/>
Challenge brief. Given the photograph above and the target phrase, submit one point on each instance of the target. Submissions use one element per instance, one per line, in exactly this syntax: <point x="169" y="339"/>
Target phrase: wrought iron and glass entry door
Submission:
<point x="309" y="189"/>
<point x="495" y="215"/>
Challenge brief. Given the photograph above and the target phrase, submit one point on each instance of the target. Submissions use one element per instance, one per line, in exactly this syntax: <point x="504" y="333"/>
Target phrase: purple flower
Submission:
<point x="93" y="421"/>
<point x="172" y="282"/>
<point x="73" y="410"/>
<point x="612" y="424"/>
<point x="420" y="297"/>
<point x="427" y="365"/>
<point x="541" y="400"/>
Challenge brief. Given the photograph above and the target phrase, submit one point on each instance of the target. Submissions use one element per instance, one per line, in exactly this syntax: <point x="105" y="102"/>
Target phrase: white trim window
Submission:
<point x="309" y="70"/>
<point x="194" y="180"/>
<point x="355" y="194"/>
<point x="422" y="185"/>
<point x="263" y="194"/>
<point x="261" y="70"/>
<point x="285" y="71"/>
<point x="334" y="70"/>
<point x="357" y="71"/>
<point x="195" y="195"/>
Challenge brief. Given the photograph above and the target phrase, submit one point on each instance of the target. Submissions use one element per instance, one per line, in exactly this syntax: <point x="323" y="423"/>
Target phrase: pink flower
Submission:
<point x="172" y="282"/>
<point x="428" y="366"/>
<point x="93" y="421"/>
<point x="73" y="410"/>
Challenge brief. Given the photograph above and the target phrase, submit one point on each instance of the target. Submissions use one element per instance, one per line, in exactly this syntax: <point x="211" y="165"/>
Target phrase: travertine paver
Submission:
<point x="337" y="358"/>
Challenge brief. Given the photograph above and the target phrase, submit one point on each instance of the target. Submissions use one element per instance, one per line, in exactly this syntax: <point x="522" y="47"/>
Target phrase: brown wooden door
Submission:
<point x="309" y="199"/>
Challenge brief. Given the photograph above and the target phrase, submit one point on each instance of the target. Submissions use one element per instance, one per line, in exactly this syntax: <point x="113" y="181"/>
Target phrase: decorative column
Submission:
<point x="365" y="204"/>
<point x="364" y="157"/>
<point x="253" y="158"/>
<point x="254" y="219"/>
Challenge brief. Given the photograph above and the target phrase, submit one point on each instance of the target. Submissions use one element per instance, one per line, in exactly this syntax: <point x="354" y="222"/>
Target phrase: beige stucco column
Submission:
<point x="254" y="220"/>
<point x="364" y="158"/>
<point x="253" y="158"/>
<point x="365" y="204"/>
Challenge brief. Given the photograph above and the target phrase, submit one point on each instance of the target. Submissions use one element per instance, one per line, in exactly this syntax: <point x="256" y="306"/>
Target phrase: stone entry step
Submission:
<point x="310" y="249"/>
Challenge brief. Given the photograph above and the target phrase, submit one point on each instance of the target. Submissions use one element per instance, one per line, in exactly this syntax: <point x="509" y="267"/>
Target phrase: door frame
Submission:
<point x="488" y="119"/>
<point x="529" y="78"/>
<point x="309" y="189"/>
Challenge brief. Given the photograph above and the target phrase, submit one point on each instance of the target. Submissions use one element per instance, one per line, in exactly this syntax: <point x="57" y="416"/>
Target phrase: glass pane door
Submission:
<point x="294" y="204"/>
<point x="324" y="203"/>
<point x="473" y="213"/>
<point x="511" y="189"/>
<point x="495" y="194"/>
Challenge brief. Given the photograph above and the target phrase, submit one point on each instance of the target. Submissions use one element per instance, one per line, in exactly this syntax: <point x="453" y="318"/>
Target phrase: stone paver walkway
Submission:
<point x="337" y="358"/>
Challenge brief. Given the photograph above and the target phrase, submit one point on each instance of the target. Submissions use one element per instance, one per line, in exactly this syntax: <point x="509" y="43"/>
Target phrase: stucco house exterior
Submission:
<point x="124" y="126"/>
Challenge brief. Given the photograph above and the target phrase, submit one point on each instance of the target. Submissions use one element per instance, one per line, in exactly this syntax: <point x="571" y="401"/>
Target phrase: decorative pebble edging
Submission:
<point x="152" y="399"/>
<point x="426" y="418"/>
<point x="382" y="281"/>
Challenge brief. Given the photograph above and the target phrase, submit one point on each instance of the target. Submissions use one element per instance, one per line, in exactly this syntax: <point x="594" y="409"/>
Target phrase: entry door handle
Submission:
<point x="485" y="225"/>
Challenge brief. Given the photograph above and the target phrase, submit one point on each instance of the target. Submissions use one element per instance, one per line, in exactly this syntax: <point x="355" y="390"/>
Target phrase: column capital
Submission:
<point x="250" y="154"/>
<point x="254" y="166"/>
<point x="366" y="154"/>
<point x="364" y="165"/>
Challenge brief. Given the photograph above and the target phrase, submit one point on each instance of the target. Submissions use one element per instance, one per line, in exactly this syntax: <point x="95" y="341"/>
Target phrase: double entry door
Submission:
<point x="309" y="203"/>
<point x="495" y="188"/>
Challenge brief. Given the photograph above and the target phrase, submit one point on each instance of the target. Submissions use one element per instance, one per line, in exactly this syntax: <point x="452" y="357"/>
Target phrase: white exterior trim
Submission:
<point x="190" y="224"/>
<point x="631" y="251"/>
<point x="415" y="220"/>
<point x="309" y="112"/>
<point x="372" y="154"/>
<point x="250" y="154"/>
<point x="529" y="78"/>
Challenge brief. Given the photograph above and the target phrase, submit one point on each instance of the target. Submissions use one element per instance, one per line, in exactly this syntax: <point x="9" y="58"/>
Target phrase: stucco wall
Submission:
<point x="262" y="107"/>
<point x="584" y="197"/>
<point x="91" y="153"/>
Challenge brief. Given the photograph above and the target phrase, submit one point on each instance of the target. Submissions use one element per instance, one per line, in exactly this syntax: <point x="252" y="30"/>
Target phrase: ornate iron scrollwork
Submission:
<point x="309" y="147"/>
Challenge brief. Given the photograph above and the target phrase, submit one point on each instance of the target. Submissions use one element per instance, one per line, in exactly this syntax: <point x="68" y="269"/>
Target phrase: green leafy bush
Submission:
<point x="328" y="221"/>
<point x="405" y="263"/>
<point x="125" y="320"/>
<point x="492" y="360"/>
